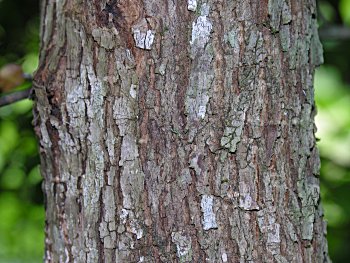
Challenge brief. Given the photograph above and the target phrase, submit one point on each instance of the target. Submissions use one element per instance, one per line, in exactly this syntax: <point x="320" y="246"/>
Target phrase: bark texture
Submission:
<point x="179" y="131"/>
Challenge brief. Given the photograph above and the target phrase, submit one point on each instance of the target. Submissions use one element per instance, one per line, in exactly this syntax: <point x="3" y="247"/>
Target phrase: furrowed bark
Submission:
<point x="175" y="131"/>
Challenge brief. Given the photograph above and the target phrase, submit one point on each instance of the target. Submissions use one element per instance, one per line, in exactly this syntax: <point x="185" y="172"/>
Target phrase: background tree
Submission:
<point x="179" y="131"/>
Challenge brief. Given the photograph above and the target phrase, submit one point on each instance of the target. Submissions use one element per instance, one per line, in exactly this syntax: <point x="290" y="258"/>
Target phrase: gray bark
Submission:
<point x="174" y="131"/>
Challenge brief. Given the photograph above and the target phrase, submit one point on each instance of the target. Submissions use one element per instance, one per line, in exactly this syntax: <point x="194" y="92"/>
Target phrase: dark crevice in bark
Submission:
<point x="101" y="214"/>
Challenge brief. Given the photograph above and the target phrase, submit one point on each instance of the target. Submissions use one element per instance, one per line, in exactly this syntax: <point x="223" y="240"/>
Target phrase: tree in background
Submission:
<point x="179" y="132"/>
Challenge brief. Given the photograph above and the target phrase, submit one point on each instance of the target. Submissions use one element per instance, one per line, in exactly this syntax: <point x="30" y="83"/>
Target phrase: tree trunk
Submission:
<point x="175" y="131"/>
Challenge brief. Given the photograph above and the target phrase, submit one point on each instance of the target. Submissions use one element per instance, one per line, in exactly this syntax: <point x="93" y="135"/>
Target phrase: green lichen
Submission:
<point x="274" y="11"/>
<point x="232" y="38"/>
<point x="286" y="14"/>
<point x="285" y="38"/>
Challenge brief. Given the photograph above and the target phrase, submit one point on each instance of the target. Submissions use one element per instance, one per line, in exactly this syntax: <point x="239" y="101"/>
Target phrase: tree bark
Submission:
<point x="175" y="131"/>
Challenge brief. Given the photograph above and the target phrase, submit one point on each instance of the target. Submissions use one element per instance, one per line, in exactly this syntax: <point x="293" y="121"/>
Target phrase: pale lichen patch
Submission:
<point x="275" y="11"/>
<point x="194" y="165"/>
<point x="248" y="190"/>
<point x="111" y="141"/>
<point x="309" y="194"/>
<point x="136" y="229"/>
<point x="201" y="29"/>
<point x="198" y="94"/>
<point x="123" y="215"/>
<point x="233" y="132"/>
<point x="162" y="67"/>
<point x="268" y="225"/>
<point x="209" y="218"/>
<point x="109" y="237"/>
<point x="144" y="40"/>
<point x="132" y="183"/>
<point x="133" y="91"/>
<point x="233" y="39"/>
<point x="201" y="111"/>
<point x="286" y="13"/>
<point x="123" y="114"/>
<point x="129" y="150"/>
<point x="106" y="37"/>
<point x="192" y="5"/>
<point x="285" y="37"/>
<point x="129" y="222"/>
<point x="273" y="235"/>
<point x="183" y="246"/>
<point x="246" y="202"/>
<point x="45" y="135"/>
<point x="143" y="36"/>
<point x="184" y="179"/>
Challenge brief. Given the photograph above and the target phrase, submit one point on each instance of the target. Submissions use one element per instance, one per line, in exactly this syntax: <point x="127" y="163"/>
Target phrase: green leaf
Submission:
<point x="344" y="9"/>
<point x="12" y="178"/>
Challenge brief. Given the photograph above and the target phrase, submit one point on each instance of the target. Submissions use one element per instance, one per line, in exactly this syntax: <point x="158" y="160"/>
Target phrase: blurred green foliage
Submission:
<point x="332" y="93"/>
<point x="344" y="9"/>
<point x="333" y="122"/>
<point x="21" y="201"/>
